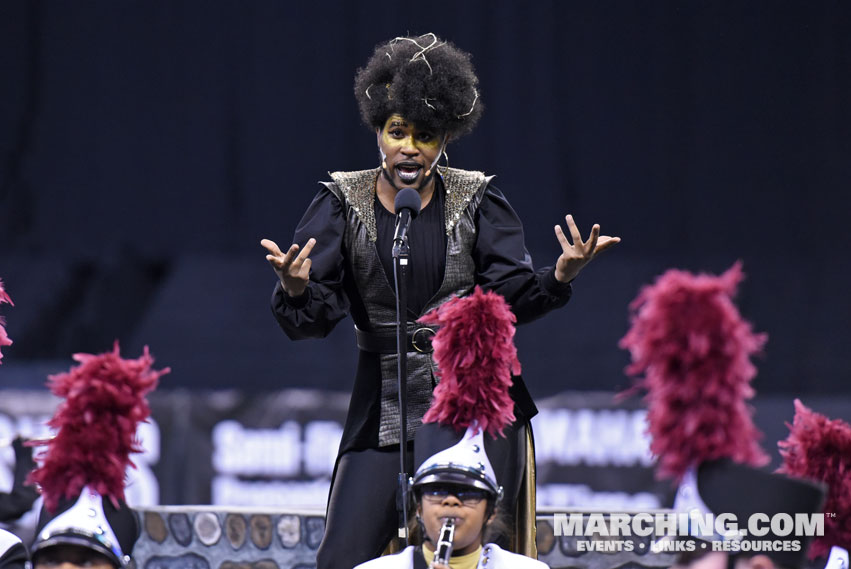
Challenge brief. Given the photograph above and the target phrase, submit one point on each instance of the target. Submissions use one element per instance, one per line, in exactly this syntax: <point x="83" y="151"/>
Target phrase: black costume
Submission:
<point x="467" y="235"/>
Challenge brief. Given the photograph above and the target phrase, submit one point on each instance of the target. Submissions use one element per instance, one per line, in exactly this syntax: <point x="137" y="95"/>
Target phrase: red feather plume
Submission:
<point x="96" y="425"/>
<point x="693" y="349"/>
<point x="476" y="357"/>
<point x="4" y="338"/>
<point x="819" y="448"/>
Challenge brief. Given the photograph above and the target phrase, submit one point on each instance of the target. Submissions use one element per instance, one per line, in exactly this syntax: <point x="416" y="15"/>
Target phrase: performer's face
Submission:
<point x="466" y="505"/>
<point x="410" y="150"/>
<point x="71" y="557"/>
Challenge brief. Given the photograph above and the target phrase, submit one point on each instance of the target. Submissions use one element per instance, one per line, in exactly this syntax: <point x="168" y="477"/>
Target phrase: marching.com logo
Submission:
<point x="718" y="532"/>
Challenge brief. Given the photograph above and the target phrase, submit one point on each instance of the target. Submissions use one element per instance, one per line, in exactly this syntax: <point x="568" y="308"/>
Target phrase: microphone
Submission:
<point x="443" y="548"/>
<point x="407" y="205"/>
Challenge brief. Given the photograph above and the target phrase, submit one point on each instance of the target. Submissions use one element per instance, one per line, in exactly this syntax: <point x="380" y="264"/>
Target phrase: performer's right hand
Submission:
<point x="292" y="267"/>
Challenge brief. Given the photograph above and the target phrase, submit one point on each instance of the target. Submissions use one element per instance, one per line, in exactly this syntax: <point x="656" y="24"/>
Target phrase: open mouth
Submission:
<point x="408" y="171"/>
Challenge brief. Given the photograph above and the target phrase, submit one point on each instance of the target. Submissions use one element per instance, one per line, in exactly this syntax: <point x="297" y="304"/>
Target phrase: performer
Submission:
<point x="85" y="521"/>
<point x="453" y="485"/>
<point x="693" y="349"/>
<point x="417" y="94"/>
<point x="461" y="447"/>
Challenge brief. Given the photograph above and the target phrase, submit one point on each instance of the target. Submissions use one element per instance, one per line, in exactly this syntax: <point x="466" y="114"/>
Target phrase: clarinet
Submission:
<point x="443" y="550"/>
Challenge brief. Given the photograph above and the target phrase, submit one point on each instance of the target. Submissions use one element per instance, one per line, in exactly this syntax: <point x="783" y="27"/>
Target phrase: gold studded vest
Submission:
<point x="356" y="191"/>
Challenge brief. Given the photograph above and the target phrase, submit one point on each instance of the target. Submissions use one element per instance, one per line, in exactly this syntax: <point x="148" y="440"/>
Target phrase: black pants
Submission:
<point x="362" y="519"/>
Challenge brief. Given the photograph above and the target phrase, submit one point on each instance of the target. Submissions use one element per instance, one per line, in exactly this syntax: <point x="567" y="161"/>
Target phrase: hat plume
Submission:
<point x="476" y="357"/>
<point x="691" y="350"/>
<point x="95" y="425"/>
<point x="819" y="448"/>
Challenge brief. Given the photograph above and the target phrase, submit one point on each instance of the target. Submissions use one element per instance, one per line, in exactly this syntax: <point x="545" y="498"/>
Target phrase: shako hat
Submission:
<point x="92" y="522"/>
<point x="691" y="349"/>
<point x="82" y="474"/>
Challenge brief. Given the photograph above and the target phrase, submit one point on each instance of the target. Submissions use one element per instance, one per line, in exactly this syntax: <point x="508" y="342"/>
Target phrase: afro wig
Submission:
<point x="428" y="81"/>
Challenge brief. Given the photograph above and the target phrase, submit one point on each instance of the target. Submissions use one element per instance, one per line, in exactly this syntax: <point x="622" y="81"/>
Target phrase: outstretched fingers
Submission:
<point x="584" y="248"/>
<point x="292" y="267"/>
<point x="293" y="260"/>
<point x="277" y="258"/>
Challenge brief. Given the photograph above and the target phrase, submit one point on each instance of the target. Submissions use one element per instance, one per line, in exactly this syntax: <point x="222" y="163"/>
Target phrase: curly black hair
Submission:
<point x="428" y="81"/>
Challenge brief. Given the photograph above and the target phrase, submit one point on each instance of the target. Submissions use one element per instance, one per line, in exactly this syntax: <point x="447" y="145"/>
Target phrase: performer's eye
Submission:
<point x="471" y="496"/>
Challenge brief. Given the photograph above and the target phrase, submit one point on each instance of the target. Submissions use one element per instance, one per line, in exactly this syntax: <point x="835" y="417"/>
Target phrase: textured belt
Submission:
<point x="418" y="341"/>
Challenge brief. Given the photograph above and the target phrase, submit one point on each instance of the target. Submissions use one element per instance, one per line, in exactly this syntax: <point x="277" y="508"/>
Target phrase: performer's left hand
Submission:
<point x="574" y="257"/>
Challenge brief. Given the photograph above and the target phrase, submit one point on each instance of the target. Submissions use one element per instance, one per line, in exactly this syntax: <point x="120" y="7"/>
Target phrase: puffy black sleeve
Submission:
<point x="324" y="302"/>
<point x="504" y="265"/>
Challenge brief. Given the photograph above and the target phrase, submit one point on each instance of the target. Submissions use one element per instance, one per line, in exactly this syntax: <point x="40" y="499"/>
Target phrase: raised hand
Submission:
<point x="292" y="267"/>
<point x="575" y="256"/>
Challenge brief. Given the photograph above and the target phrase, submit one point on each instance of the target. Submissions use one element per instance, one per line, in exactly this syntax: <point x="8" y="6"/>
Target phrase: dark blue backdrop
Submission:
<point x="147" y="147"/>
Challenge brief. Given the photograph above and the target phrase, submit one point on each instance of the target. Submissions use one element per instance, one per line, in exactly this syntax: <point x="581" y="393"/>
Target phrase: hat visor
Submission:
<point x="454" y="475"/>
<point x="79" y="539"/>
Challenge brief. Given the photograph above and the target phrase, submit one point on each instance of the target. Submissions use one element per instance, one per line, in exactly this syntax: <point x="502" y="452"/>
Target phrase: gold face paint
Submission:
<point x="398" y="132"/>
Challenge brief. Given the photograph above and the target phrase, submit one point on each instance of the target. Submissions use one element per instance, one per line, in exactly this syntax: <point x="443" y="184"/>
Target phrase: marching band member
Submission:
<point x="462" y="444"/>
<point x="85" y="521"/>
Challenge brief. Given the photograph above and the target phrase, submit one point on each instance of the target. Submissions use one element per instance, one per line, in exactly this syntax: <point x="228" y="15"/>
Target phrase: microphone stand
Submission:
<point x="407" y="204"/>
<point x="401" y="254"/>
